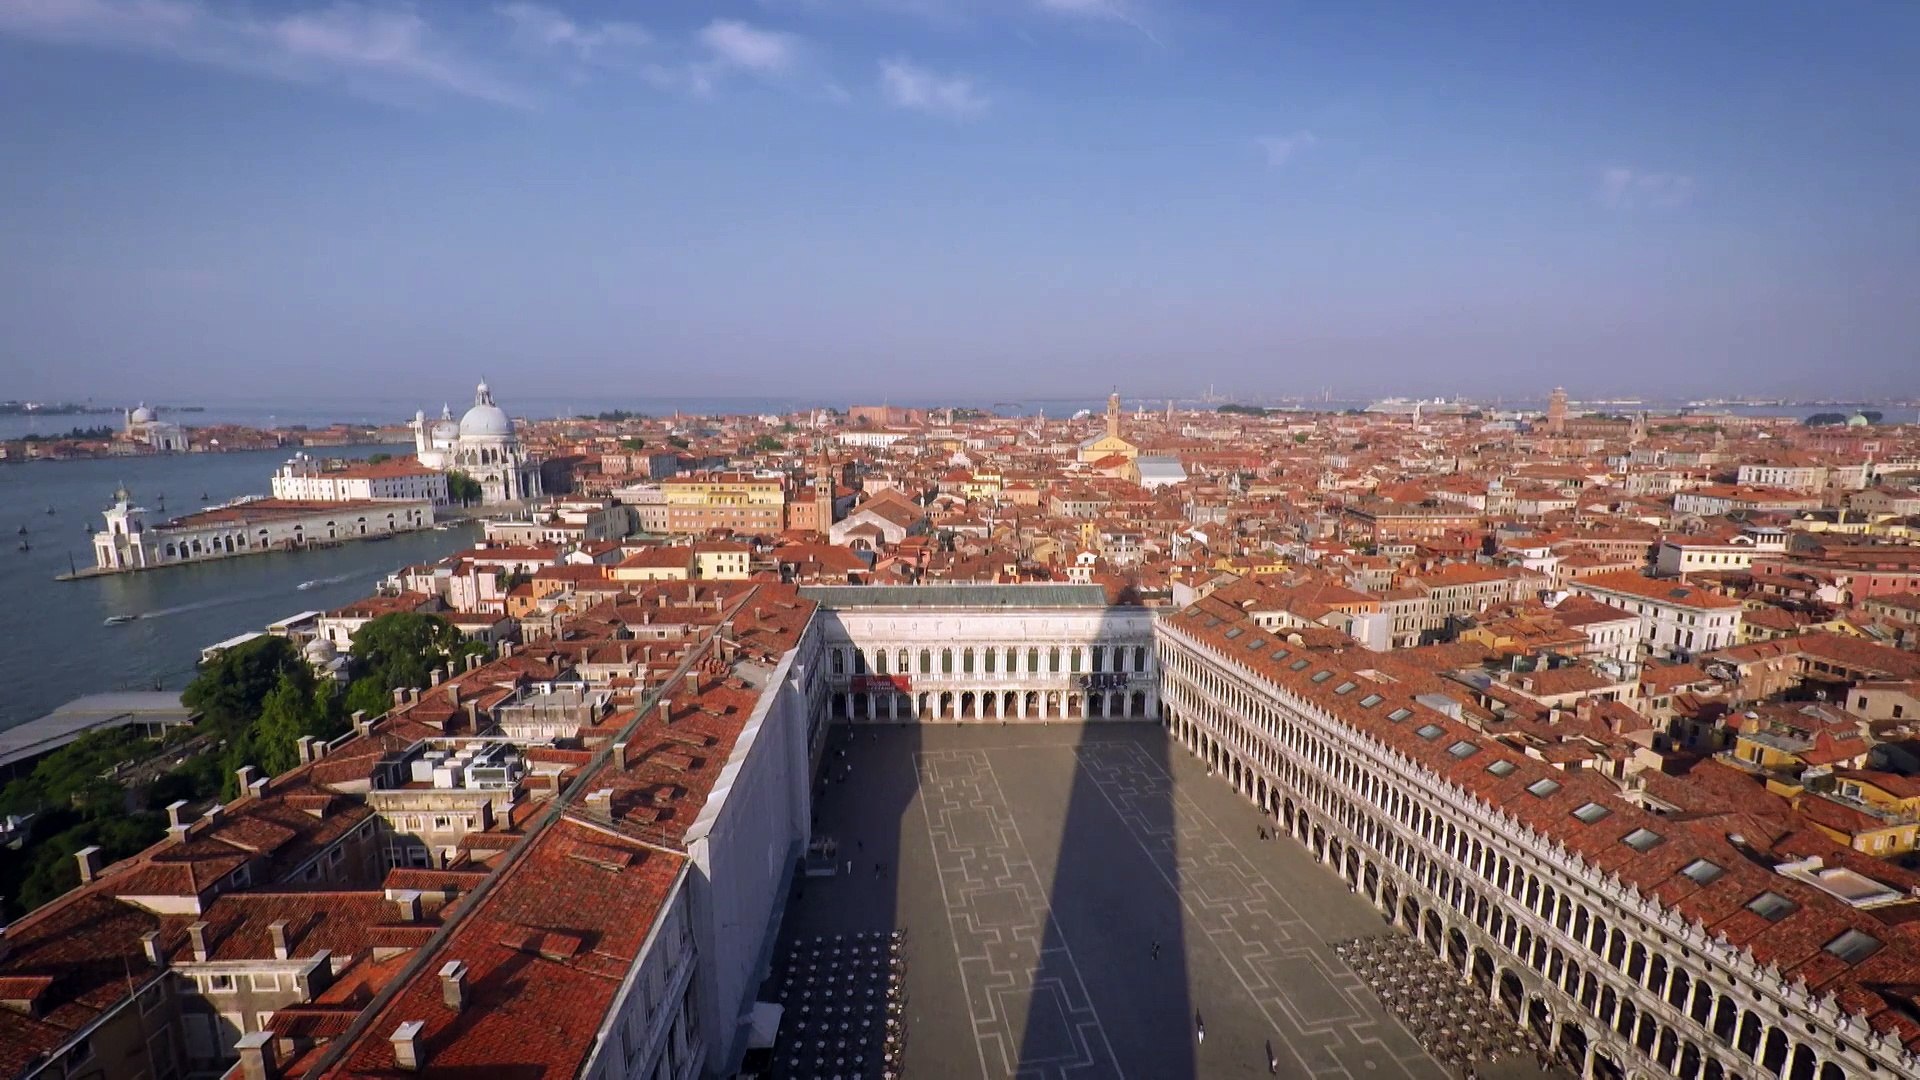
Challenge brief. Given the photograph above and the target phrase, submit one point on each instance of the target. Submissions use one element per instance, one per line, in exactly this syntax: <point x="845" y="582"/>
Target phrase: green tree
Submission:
<point x="403" y="648"/>
<point x="634" y="444"/>
<point x="290" y="712"/>
<point x="229" y="691"/>
<point x="369" y="695"/>
<point x="463" y="489"/>
<point x="767" y="444"/>
<point x="677" y="442"/>
<point x="375" y="459"/>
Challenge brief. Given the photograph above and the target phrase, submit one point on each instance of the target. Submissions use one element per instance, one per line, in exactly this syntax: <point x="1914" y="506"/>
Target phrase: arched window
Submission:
<point x="946" y="661"/>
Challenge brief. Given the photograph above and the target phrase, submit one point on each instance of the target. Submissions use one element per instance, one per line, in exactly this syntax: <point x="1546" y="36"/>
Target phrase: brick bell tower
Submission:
<point x="823" y="494"/>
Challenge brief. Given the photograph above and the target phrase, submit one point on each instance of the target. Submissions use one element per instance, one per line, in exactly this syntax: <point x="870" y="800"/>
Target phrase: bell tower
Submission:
<point x="823" y="494"/>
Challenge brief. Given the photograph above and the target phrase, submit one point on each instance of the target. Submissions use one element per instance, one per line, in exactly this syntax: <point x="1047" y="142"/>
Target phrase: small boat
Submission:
<point x="24" y="546"/>
<point x="116" y="620"/>
<point x="204" y="495"/>
<point x="23" y="530"/>
<point x="50" y="511"/>
<point x="303" y="586"/>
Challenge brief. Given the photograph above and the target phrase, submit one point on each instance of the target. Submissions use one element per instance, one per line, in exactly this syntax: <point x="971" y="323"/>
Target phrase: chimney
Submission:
<point x="247" y="775"/>
<point x="258" y="789"/>
<point x="305" y="748"/>
<point x="407" y="1052"/>
<point x="360" y="726"/>
<point x="176" y="813"/>
<point x="399" y="695"/>
<point x="216" y="814"/>
<point x="257" y="1058"/>
<point x="278" y="931"/>
<point x="150" y="945"/>
<point x="506" y="649"/>
<point x="197" y="932"/>
<point x="601" y="802"/>
<point x="453" y="984"/>
<point x="89" y="860"/>
<point x="666" y="710"/>
<point x="435" y="676"/>
<point x="409" y="903"/>
<point x="620" y="756"/>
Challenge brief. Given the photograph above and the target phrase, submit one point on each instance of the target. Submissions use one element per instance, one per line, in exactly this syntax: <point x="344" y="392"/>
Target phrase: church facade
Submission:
<point x="482" y="445"/>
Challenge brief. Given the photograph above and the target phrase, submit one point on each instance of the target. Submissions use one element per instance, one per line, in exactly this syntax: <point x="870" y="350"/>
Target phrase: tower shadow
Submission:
<point x="1112" y="992"/>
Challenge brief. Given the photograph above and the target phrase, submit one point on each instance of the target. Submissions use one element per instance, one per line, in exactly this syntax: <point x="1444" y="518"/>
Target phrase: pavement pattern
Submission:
<point x="1084" y="901"/>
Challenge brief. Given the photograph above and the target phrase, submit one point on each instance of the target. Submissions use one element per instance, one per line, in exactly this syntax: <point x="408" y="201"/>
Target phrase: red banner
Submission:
<point x="899" y="683"/>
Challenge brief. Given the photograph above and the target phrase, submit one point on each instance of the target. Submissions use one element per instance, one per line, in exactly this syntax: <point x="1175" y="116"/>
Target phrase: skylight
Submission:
<point x="1234" y="633"/>
<point x="1346" y="688"/>
<point x="1771" y="906"/>
<point x="1322" y="676"/>
<point x="1703" y="872"/>
<point x="1398" y="715"/>
<point x="1301" y="664"/>
<point x="1591" y="812"/>
<point x="1642" y="839"/>
<point x="1371" y="700"/>
<point x="1463" y="749"/>
<point x="1544" y="787"/>
<point x="1854" y="946"/>
<point x="1430" y="731"/>
<point x="1502" y="768"/>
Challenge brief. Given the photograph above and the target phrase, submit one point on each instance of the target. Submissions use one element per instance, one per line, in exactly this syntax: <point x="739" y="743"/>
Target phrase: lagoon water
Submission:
<point x="54" y="643"/>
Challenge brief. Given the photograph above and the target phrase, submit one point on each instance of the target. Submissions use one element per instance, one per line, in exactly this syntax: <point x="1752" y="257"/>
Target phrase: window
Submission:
<point x="1346" y="688"/>
<point x="1371" y="700"/>
<point x="220" y="984"/>
<point x="1301" y="664"/>
<point x="1702" y="871"/>
<point x="1502" y="768"/>
<point x="1854" y="946"/>
<point x="1233" y="633"/>
<point x="1642" y="839"/>
<point x="1771" y="906"/>
<point x="1398" y="715"/>
<point x="1322" y="676"/>
<point x="1463" y="749"/>
<point x="839" y="663"/>
<point x="1543" y="787"/>
<point x="1430" y="731"/>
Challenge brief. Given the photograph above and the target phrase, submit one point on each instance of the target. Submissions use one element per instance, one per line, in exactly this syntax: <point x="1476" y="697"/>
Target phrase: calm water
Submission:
<point x="54" y="644"/>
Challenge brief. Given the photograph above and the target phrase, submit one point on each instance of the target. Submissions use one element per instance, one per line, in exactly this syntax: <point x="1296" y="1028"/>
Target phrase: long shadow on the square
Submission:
<point x="1123" y="943"/>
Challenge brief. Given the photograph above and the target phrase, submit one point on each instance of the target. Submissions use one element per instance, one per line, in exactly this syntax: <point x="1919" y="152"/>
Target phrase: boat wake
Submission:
<point x="317" y="582"/>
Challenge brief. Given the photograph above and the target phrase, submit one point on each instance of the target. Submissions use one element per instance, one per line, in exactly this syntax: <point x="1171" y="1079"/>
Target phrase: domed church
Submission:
<point x="482" y="445"/>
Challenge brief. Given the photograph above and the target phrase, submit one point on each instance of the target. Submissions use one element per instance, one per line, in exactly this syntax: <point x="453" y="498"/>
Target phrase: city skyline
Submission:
<point x="1028" y="198"/>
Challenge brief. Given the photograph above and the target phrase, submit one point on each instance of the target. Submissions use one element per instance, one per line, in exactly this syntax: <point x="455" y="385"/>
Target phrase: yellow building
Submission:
<point x="982" y="485"/>
<point x="741" y="502"/>
<point x="654" y="564"/>
<point x="720" y="561"/>
<point x="1111" y="443"/>
<point x="1872" y="812"/>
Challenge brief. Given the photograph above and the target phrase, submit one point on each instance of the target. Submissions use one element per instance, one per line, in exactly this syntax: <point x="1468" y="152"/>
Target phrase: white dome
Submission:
<point x="319" y="651"/>
<point x="142" y="415"/>
<point x="485" y="421"/>
<point x="445" y="430"/>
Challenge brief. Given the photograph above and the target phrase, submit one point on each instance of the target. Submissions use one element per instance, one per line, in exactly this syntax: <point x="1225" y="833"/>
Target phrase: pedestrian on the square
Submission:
<point x="1156" y="950"/>
<point x="1273" y="1063"/>
<point x="1199" y="1026"/>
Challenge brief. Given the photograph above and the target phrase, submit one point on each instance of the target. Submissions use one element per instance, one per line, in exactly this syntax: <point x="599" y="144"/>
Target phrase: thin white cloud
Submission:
<point x="1109" y="10"/>
<point x="750" y="48"/>
<point x="373" y="48"/>
<point x="542" y="27"/>
<point x="1282" y="149"/>
<point x="728" y="47"/>
<point x="1624" y="188"/>
<point x="907" y="85"/>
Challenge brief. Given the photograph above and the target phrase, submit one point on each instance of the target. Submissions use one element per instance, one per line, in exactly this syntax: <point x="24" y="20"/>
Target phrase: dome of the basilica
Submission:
<point x="142" y="415"/>
<point x="485" y="419"/>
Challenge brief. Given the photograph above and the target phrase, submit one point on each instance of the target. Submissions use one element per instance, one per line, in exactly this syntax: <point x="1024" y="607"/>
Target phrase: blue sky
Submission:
<point x="218" y="198"/>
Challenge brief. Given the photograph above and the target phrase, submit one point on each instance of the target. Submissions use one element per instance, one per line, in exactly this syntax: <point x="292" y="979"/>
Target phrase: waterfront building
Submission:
<point x="484" y="446"/>
<point x="129" y="542"/>
<point x="305" y="479"/>
<point x="145" y="428"/>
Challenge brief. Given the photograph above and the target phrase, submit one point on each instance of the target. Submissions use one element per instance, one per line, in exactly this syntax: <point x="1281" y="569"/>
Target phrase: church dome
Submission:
<point x="485" y="420"/>
<point x="142" y="415"/>
<point x="319" y="651"/>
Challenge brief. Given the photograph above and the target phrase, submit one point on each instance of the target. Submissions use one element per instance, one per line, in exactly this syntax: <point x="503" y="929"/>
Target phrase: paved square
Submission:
<point x="1078" y="897"/>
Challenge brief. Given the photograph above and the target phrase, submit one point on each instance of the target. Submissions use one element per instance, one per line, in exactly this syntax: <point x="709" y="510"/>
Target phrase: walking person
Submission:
<point x="1199" y="1027"/>
<point x="1273" y="1063"/>
<point x="1156" y="950"/>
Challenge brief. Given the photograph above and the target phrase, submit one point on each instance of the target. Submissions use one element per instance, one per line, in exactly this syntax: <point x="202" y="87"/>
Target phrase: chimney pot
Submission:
<point x="435" y="676"/>
<point x="407" y="1052"/>
<point x="197" y="933"/>
<point x="409" y="903"/>
<point x="176" y="812"/>
<point x="399" y="695"/>
<point x="257" y="1058"/>
<point x="150" y="945"/>
<point x="258" y="789"/>
<point x="601" y="802"/>
<point x="620" y="755"/>
<point x="89" y="860"/>
<point x="453" y="984"/>
<point x="666" y="710"/>
<point x="278" y="931"/>
<point x="305" y="748"/>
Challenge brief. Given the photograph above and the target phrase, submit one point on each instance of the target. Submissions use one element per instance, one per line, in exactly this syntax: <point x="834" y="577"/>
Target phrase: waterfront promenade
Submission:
<point x="58" y="646"/>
